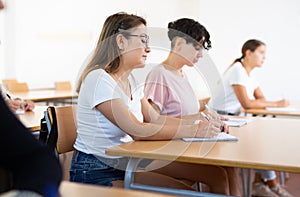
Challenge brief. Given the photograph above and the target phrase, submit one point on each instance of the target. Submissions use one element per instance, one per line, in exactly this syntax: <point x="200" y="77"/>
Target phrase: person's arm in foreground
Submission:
<point x="31" y="163"/>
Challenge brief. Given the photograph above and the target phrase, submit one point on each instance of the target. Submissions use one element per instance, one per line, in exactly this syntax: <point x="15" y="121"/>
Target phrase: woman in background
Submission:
<point x="242" y="91"/>
<point x="240" y="85"/>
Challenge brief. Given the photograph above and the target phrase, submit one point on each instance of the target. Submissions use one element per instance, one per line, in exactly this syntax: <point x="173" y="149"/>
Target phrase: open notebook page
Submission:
<point x="220" y="137"/>
<point x="237" y="122"/>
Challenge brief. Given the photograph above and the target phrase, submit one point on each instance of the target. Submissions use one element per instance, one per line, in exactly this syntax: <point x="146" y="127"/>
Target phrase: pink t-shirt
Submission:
<point x="171" y="91"/>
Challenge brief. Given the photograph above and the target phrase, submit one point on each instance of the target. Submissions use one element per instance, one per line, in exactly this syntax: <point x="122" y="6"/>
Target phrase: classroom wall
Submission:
<point x="46" y="41"/>
<point x="275" y="22"/>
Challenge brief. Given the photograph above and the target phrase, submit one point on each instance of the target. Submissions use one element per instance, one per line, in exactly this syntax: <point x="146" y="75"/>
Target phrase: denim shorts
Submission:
<point x="86" y="168"/>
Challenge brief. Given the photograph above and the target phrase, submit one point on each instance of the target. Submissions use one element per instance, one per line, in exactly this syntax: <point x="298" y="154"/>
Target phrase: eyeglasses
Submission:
<point x="144" y="38"/>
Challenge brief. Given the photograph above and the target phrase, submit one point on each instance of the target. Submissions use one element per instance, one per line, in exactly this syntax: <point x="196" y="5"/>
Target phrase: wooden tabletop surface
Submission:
<point x="294" y="105"/>
<point x="265" y="143"/>
<point x="31" y="119"/>
<point x="45" y="95"/>
<point x="70" y="189"/>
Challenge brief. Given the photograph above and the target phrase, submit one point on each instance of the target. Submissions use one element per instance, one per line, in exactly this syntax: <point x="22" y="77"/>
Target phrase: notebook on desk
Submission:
<point x="20" y="112"/>
<point x="237" y="122"/>
<point x="220" y="137"/>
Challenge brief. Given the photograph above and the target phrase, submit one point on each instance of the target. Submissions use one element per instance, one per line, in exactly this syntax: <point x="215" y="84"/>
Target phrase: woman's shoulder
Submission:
<point x="97" y="73"/>
<point x="236" y="68"/>
<point x="157" y="71"/>
<point x="237" y="65"/>
<point x="97" y="76"/>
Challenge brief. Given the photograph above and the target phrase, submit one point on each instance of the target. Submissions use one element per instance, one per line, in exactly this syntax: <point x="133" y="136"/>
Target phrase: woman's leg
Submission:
<point x="213" y="176"/>
<point x="235" y="181"/>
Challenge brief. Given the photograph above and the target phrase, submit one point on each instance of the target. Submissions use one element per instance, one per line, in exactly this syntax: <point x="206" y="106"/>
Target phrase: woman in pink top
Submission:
<point x="168" y="90"/>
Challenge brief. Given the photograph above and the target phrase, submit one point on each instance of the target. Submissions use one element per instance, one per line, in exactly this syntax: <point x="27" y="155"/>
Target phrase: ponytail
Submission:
<point x="235" y="61"/>
<point x="248" y="45"/>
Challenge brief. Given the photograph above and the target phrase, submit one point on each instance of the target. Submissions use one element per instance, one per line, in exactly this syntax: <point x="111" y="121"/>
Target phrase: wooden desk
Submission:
<point x="294" y="104"/>
<point x="269" y="144"/>
<point x="69" y="189"/>
<point x="31" y="119"/>
<point x="46" y="95"/>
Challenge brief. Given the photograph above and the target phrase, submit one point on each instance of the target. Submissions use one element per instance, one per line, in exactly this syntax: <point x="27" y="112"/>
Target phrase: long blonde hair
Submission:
<point x="107" y="54"/>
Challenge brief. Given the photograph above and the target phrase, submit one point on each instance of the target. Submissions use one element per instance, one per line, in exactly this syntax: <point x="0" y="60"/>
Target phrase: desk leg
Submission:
<point x="130" y="170"/>
<point x="249" y="187"/>
<point x="244" y="182"/>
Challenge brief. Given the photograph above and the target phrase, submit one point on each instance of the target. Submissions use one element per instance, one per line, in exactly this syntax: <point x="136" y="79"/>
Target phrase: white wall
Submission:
<point x="277" y="23"/>
<point x="48" y="40"/>
<point x="44" y="41"/>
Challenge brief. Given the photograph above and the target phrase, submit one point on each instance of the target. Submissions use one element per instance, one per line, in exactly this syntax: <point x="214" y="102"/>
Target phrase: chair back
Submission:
<point x="63" y="129"/>
<point x="63" y="85"/>
<point x="17" y="87"/>
<point x="5" y="82"/>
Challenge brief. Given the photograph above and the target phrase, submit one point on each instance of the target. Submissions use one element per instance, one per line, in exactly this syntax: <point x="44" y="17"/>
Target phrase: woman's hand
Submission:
<point x="14" y="105"/>
<point x="28" y="105"/>
<point x="283" y="103"/>
<point x="211" y="128"/>
<point x="213" y="115"/>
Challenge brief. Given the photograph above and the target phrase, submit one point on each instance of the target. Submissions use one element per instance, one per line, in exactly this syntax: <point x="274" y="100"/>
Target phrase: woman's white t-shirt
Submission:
<point x="226" y="100"/>
<point x="95" y="132"/>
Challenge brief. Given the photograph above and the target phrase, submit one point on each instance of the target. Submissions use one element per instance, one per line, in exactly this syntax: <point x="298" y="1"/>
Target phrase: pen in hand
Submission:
<point x="205" y="105"/>
<point x="8" y="96"/>
<point x="205" y="116"/>
<point x="224" y="128"/>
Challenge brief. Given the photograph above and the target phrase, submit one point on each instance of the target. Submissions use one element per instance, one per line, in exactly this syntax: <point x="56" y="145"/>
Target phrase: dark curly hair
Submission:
<point x="191" y="30"/>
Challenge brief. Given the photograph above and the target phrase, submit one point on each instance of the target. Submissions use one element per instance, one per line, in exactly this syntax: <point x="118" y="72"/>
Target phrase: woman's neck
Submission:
<point x="173" y="63"/>
<point x="121" y="74"/>
<point x="121" y="78"/>
<point x="248" y="66"/>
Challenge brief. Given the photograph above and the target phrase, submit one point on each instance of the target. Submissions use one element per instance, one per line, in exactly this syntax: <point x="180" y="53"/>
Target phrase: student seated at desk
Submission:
<point x="242" y="90"/>
<point x="240" y="87"/>
<point x="16" y="103"/>
<point x="169" y="91"/>
<point x="112" y="108"/>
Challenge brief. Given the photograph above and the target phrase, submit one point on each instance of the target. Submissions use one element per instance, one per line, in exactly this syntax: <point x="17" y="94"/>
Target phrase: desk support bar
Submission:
<point x="129" y="183"/>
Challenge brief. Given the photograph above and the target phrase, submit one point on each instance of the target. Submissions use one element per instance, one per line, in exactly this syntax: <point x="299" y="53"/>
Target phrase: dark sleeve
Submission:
<point x="31" y="163"/>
